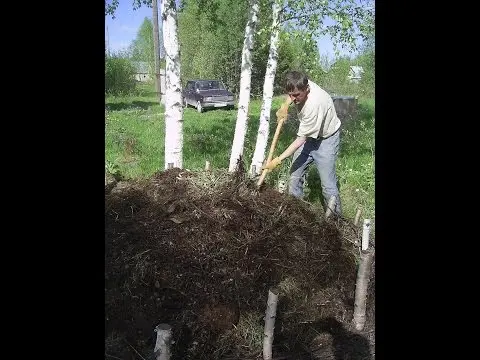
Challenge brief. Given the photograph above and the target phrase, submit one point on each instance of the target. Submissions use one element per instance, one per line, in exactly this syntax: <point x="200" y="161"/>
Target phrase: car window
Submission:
<point x="210" y="85"/>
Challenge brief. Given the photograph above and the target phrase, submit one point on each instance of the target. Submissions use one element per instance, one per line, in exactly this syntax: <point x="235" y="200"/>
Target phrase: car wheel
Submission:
<point x="199" y="107"/>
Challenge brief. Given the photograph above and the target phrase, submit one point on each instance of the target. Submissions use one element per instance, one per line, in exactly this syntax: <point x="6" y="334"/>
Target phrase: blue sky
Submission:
<point x="123" y="29"/>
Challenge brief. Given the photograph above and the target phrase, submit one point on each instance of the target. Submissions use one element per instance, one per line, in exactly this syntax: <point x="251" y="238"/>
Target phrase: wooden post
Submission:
<point x="361" y="289"/>
<point x="281" y="185"/>
<point x="207" y="165"/>
<point x="357" y="217"/>
<point x="156" y="50"/>
<point x="365" y="234"/>
<point x="330" y="206"/>
<point x="164" y="340"/>
<point x="270" y="315"/>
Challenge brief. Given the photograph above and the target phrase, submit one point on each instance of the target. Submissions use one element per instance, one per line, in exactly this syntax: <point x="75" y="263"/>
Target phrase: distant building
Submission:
<point x="142" y="73"/>
<point x="355" y="74"/>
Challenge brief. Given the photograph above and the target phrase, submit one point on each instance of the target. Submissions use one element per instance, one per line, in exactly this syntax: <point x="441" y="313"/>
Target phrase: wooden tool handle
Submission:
<point x="272" y="149"/>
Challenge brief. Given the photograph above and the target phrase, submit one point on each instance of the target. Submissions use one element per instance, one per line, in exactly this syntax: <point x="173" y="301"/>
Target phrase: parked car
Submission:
<point x="204" y="93"/>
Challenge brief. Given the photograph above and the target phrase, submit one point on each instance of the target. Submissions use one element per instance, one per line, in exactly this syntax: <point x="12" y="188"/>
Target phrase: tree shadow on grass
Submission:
<point x="144" y="105"/>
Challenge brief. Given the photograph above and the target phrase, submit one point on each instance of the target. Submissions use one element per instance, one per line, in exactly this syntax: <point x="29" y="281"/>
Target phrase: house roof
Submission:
<point x="356" y="71"/>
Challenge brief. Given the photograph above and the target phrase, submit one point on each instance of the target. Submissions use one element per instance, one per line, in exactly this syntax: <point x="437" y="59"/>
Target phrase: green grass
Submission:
<point x="135" y="131"/>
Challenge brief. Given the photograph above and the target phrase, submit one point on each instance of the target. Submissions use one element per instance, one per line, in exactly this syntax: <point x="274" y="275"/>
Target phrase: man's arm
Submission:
<point x="299" y="141"/>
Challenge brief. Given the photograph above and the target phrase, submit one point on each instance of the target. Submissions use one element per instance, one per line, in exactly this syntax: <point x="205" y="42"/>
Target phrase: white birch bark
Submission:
<point x="365" y="234"/>
<point x="270" y="315"/>
<point x="361" y="288"/>
<point x="263" y="128"/>
<point x="245" y="81"/>
<point x="163" y="343"/>
<point x="173" y="91"/>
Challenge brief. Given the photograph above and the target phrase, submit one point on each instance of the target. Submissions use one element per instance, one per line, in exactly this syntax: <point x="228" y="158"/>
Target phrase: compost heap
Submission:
<point x="200" y="251"/>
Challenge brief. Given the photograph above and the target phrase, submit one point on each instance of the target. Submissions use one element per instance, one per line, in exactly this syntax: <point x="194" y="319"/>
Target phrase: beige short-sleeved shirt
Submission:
<point x="318" y="117"/>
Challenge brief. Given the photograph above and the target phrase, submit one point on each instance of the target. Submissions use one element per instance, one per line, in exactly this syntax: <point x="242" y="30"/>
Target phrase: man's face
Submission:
<point x="299" y="96"/>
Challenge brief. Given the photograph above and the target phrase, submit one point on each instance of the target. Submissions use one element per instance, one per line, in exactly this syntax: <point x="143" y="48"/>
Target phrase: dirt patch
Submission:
<point x="200" y="251"/>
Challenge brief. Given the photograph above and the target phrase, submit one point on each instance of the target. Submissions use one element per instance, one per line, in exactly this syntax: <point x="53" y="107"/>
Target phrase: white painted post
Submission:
<point x="365" y="234"/>
<point x="361" y="288"/>
<point x="207" y="165"/>
<point x="270" y="315"/>
<point x="282" y="184"/>
<point x="164" y="340"/>
<point x="357" y="217"/>
<point x="254" y="171"/>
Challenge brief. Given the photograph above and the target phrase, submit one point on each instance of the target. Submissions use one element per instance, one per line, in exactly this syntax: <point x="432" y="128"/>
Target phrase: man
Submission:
<point x="318" y="137"/>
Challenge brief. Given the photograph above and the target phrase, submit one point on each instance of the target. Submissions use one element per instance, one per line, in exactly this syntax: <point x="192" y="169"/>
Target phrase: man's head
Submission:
<point x="296" y="85"/>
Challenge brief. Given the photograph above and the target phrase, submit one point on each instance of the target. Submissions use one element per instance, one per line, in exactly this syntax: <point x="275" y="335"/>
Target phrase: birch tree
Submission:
<point x="263" y="128"/>
<point x="173" y="91"/>
<point x="245" y="82"/>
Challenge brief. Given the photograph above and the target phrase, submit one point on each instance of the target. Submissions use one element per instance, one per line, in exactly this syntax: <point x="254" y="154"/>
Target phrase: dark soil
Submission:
<point x="200" y="251"/>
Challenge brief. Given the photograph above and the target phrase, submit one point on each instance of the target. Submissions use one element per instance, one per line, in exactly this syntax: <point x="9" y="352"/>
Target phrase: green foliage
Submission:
<point x="112" y="168"/>
<point x="119" y="75"/>
<point x="210" y="42"/>
<point x="348" y="18"/>
<point x="367" y="61"/>
<point x="298" y="51"/>
<point x="336" y="80"/>
<point x="356" y="162"/>
<point x="110" y="7"/>
<point x="142" y="47"/>
<point x="337" y="77"/>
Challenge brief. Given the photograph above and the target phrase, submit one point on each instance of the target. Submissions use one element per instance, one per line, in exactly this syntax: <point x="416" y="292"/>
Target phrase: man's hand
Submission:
<point x="282" y="113"/>
<point x="272" y="164"/>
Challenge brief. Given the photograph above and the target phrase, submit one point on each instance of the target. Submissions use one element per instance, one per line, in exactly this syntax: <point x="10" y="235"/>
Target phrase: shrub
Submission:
<point x="119" y="76"/>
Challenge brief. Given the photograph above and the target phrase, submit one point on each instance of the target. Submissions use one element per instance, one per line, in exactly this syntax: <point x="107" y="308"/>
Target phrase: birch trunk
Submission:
<point x="164" y="340"/>
<point x="173" y="91"/>
<point x="365" y="234"/>
<point x="245" y="81"/>
<point x="270" y="315"/>
<point x="263" y="128"/>
<point x="357" y="217"/>
<point x="361" y="288"/>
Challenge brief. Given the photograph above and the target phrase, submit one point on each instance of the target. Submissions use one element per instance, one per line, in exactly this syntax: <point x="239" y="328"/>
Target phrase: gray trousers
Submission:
<point x="322" y="152"/>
